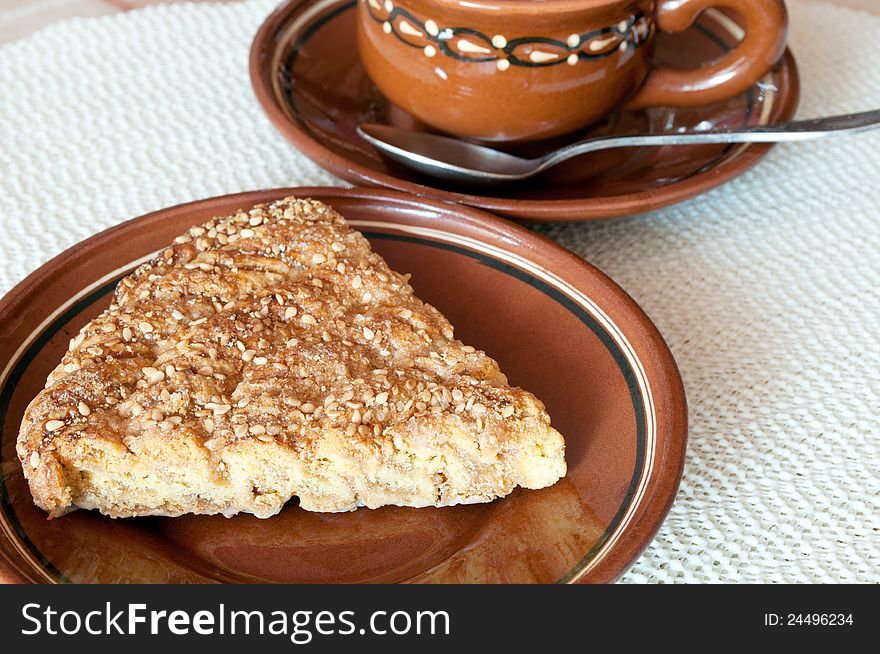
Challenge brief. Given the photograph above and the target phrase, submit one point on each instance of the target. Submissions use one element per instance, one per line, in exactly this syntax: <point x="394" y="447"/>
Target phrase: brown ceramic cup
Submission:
<point x="519" y="70"/>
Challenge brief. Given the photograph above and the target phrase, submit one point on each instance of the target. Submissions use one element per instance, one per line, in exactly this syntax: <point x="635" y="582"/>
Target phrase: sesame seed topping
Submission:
<point x="152" y="375"/>
<point x="35" y="459"/>
<point x="259" y="299"/>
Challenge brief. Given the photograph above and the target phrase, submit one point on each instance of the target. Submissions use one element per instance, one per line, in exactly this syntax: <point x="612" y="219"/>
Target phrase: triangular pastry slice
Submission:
<point x="271" y="354"/>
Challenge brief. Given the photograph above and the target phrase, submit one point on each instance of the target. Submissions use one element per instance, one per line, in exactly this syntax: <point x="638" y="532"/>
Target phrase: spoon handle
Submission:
<point x="800" y="130"/>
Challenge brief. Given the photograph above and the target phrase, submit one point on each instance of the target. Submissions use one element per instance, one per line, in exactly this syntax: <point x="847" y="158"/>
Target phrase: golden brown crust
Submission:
<point x="272" y="353"/>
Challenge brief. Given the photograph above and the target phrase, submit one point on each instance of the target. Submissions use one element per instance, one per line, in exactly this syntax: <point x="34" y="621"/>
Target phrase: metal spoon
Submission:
<point x="456" y="160"/>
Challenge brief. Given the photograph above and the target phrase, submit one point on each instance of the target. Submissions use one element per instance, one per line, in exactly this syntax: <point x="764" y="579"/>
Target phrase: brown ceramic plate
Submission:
<point x="558" y="327"/>
<point x="308" y="77"/>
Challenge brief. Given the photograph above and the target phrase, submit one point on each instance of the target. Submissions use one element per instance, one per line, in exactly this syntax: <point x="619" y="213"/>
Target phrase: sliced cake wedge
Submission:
<point x="272" y="354"/>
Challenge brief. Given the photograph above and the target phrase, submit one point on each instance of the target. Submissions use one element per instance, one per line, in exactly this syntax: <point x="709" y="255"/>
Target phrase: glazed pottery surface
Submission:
<point x="520" y="70"/>
<point x="558" y="327"/>
<point x="317" y="94"/>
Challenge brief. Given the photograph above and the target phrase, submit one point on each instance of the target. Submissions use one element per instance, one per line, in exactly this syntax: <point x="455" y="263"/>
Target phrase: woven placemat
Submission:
<point x="765" y="289"/>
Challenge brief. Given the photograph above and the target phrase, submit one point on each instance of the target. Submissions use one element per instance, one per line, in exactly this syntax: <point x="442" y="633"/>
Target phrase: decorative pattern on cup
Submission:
<point x="470" y="45"/>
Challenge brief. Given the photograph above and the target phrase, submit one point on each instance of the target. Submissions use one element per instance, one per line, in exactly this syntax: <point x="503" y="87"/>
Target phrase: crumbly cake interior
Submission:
<point x="271" y="354"/>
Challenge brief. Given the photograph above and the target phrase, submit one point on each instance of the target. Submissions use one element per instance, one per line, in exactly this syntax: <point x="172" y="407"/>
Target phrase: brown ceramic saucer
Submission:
<point x="307" y="75"/>
<point x="558" y="327"/>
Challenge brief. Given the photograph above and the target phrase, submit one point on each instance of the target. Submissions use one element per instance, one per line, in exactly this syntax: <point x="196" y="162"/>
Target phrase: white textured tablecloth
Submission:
<point x="766" y="289"/>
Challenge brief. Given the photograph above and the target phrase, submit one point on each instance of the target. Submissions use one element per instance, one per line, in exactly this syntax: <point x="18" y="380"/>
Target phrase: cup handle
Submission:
<point x="766" y="24"/>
